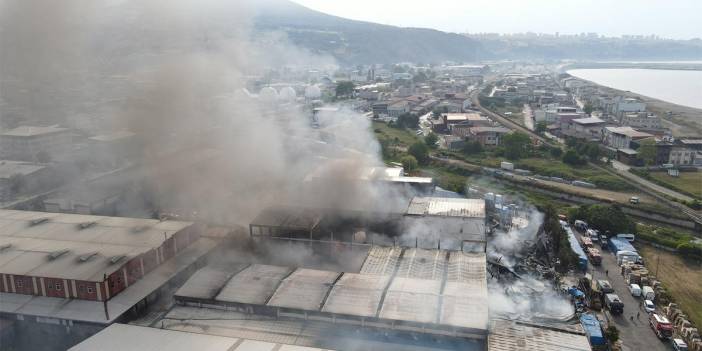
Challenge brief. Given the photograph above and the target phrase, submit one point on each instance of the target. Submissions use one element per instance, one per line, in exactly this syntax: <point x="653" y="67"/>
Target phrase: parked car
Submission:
<point x="679" y="345"/>
<point x="649" y="306"/>
<point x="634" y="200"/>
<point x="635" y="290"/>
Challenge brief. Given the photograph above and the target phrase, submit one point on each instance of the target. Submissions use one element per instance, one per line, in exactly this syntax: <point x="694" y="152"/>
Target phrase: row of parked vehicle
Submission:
<point x="627" y="256"/>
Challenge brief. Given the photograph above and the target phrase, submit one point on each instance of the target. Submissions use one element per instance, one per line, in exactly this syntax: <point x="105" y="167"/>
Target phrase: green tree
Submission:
<point x="612" y="334"/>
<point x="344" y="89"/>
<point x="541" y="127"/>
<point x="647" y="151"/>
<point x="556" y="152"/>
<point x="571" y="157"/>
<point x="606" y="218"/>
<point x="472" y="147"/>
<point x="420" y="151"/>
<point x="407" y="120"/>
<point x="588" y="108"/>
<point x="409" y="163"/>
<point x="431" y="140"/>
<point x="516" y="145"/>
<point x="593" y="151"/>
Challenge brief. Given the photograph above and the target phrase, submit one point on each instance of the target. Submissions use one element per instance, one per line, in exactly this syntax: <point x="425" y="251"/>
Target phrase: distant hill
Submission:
<point x="357" y="42"/>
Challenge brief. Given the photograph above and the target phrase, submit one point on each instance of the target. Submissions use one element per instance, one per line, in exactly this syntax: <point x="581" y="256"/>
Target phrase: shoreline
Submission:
<point x="684" y="121"/>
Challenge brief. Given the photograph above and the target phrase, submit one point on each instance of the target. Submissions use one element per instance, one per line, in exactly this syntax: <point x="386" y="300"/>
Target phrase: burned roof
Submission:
<point x="516" y="336"/>
<point x="288" y="217"/>
<point x="304" y="288"/>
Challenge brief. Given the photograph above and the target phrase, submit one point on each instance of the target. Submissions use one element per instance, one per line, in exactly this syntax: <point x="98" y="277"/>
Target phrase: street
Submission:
<point x="637" y="334"/>
<point x="624" y="171"/>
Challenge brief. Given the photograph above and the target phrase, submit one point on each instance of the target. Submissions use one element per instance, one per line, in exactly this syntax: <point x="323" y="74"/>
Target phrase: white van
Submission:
<point x="629" y="237"/>
<point x="635" y="290"/>
<point x="679" y="345"/>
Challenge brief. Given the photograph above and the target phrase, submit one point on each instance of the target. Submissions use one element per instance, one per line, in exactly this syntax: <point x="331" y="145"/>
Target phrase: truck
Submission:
<point x="614" y="304"/>
<point x="592" y="292"/>
<point x="593" y="330"/>
<point x="661" y="326"/>
<point x="605" y="286"/>
<point x="616" y="245"/>
<point x="594" y="255"/>
<point x="648" y="293"/>
<point x="577" y="250"/>
<point x="507" y="165"/>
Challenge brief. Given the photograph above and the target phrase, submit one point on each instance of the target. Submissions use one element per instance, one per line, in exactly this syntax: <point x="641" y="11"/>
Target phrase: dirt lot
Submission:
<point x="682" y="278"/>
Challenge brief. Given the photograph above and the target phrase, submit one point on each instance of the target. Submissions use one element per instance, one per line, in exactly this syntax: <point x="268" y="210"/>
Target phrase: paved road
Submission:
<point x="637" y="334"/>
<point x="624" y="171"/>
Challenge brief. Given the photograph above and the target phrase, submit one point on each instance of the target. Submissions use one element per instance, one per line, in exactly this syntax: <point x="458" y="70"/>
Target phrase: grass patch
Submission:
<point x="555" y="168"/>
<point x="682" y="278"/>
<point x="687" y="182"/>
<point x="403" y="137"/>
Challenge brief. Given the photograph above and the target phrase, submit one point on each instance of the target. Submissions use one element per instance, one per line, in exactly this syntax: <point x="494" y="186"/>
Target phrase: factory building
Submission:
<point x="83" y="257"/>
<point x="451" y="223"/>
<point x="430" y="292"/>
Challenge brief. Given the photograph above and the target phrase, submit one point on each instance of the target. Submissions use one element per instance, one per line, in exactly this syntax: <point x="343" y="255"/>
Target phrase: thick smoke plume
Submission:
<point x="177" y="73"/>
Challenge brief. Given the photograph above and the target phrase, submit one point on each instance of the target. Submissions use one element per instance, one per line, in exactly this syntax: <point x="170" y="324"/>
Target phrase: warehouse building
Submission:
<point x="518" y="336"/>
<point x="430" y="292"/>
<point x="83" y="257"/>
<point x="124" y="337"/>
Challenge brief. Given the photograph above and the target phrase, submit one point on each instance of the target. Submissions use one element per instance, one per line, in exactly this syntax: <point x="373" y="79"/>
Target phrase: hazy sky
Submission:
<point x="678" y="19"/>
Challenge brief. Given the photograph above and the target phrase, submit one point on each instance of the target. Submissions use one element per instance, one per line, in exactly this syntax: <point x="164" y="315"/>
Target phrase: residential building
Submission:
<point x="681" y="155"/>
<point x="459" y="123"/>
<point x="584" y="128"/>
<point x="398" y="108"/>
<point x="625" y="105"/>
<point x="487" y="136"/>
<point x="25" y="143"/>
<point x="621" y="137"/>
<point x="641" y="120"/>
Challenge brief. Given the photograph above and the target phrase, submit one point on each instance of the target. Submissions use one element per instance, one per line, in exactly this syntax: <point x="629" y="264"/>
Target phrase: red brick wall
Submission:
<point x="55" y="288"/>
<point x="116" y="283"/>
<point x="133" y="270"/>
<point x="86" y="290"/>
<point x="24" y="285"/>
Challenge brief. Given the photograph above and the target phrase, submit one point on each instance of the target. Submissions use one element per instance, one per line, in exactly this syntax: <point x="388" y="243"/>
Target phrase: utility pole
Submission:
<point x="658" y="262"/>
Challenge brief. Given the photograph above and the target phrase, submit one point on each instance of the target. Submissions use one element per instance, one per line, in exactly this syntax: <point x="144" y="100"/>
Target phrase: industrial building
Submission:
<point x="426" y="222"/>
<point x="25" y="143"/>
<point x="124" y="337"/>
<point x="431" y="292"/>
<point x="83" y="257"/>
<point x="518" y="336"/>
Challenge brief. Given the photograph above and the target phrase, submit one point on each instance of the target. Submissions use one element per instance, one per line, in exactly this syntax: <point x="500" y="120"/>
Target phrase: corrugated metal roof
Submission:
<point x="454" y="207"/>
<point x="125" y="337"/>
<point x="356" y="294"/>
<point x="415" y="300"/>
<point x="422" y="264"/>
<point x="34" y="236"/>
<point x="381" y="260"/>
<point x="304" y="289"/>
<point x="208" y="281"/>
<point x="511" y="336"/>
<point x="254" y="285"/>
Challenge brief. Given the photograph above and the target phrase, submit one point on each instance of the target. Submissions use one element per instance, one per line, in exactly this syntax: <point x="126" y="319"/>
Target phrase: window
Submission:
<point x="90" y="290"/>
<point x="58" y="286"/>
<point x="81" y="288"/>
<point x="20" y="283"/>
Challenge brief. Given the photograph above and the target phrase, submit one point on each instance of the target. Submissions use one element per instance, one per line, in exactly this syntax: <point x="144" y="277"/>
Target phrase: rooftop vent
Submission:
<point x="39" y="220"/>
<point x="86" y="225"/>
<point x="87" y="257"/>
<point x="56" y="254"/>
<point x="117" y="258"/>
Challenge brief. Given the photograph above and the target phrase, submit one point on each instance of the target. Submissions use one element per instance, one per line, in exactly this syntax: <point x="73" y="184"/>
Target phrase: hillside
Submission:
<point x="356" y="42"/>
